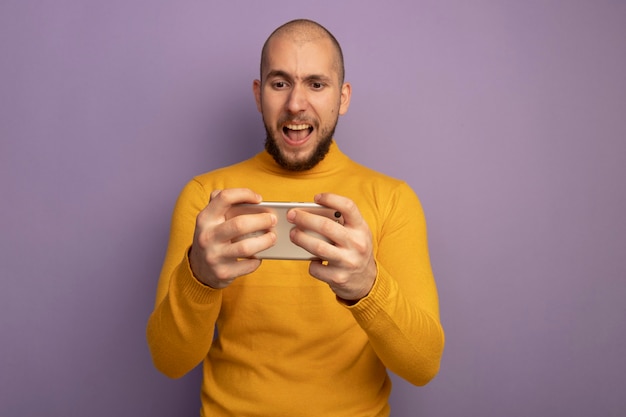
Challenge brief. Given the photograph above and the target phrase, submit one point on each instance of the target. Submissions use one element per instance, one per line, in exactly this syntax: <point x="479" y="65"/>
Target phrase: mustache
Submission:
<point x="300" y="120"/>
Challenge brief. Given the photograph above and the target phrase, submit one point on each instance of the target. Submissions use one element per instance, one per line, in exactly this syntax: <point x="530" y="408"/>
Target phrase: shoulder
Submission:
<point x="197" y="190"/>
<point x="220" y="177"/>
<point x="382" y="183"/>
<point x="225" y="171"/>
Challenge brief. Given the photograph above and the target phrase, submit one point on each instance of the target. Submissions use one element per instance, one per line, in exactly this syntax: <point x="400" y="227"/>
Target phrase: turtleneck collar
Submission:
<point x="333" y="161"/>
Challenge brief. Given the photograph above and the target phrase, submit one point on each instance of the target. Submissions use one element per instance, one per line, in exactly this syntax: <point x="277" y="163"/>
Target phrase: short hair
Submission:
<point x="306" y="30"/>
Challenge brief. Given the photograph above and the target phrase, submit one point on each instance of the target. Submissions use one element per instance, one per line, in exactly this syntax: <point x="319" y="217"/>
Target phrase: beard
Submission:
<point x="315" y="158"/>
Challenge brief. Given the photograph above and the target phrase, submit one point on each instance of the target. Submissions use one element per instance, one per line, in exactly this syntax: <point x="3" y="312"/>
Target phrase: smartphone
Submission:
<point x="284" y="247"/>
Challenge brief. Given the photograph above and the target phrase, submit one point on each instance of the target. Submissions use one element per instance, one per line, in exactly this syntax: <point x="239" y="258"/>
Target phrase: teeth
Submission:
<point x="298" y="127"/>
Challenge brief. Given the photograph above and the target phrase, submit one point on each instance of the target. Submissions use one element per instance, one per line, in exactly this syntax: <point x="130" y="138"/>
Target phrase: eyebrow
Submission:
<point x="287" y="76"/>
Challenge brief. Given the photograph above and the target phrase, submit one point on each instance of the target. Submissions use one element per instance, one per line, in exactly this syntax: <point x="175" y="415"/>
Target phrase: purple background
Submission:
<point x="507" y="118"/>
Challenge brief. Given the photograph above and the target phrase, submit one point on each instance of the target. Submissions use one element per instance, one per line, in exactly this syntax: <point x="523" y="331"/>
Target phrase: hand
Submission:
<point x="348" y="266"/>
<point x="215" y="260"/>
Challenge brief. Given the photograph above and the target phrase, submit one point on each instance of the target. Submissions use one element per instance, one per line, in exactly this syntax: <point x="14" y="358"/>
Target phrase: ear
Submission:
<point x="256" y="89"/>
<point x="346" y="92"/>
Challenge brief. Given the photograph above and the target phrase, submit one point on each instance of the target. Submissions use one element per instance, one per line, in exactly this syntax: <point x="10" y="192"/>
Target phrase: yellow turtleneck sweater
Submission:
<point x="284" y="344"/>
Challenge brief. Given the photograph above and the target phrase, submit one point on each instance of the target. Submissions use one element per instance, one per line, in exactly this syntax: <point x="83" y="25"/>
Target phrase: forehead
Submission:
<point x="301" y="57"/>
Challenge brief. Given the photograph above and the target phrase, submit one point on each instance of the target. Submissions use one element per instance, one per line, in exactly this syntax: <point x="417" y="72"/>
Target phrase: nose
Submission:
<point x="297" y="100"/>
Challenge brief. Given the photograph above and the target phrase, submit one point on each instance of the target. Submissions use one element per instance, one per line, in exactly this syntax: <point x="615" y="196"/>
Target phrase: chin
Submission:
<point x="297" y="163"/>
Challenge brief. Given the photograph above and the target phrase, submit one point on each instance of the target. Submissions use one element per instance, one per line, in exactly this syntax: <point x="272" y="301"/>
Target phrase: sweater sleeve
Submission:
<point x="180" y="329"/>
<point x="401" y="313"/>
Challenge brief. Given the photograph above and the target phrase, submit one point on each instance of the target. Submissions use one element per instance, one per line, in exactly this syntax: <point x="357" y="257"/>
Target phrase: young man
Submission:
<point x="298" y="338"/>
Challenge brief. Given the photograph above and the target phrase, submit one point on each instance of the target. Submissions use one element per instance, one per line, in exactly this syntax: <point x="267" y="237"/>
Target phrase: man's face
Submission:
<point x="301" y="99"/>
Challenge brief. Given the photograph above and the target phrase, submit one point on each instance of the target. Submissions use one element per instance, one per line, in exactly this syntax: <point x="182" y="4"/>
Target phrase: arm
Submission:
<point x="387" y="284"/>
<point x="180" y="329"/>
<point x="401" y="312"/>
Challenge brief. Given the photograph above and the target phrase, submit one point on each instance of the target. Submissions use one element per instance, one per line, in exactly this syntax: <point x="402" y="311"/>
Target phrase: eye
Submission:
<point x="317" y="85"/>
<point x="279" y="85"/>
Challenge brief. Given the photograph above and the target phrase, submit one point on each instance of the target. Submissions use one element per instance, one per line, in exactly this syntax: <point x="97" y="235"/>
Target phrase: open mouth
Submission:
<point x="297" y="132"/>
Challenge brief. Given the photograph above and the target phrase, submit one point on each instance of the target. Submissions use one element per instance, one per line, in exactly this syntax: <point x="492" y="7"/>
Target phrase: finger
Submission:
<point x="242" y="267"/>
<point x="314" y="244"/>
<point x="222" y="200"/>
<point x="249" y="247"/>
<point x="225" y="273"/>
<point x="245" y="224"/>
<point x="214" y="194"/>
<point x="321" y="226"/>
<point x="347" y="207"/>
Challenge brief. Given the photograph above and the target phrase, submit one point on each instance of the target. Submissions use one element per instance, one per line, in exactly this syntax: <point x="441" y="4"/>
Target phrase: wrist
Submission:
<point x="195" y="269"/>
